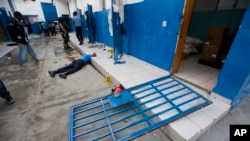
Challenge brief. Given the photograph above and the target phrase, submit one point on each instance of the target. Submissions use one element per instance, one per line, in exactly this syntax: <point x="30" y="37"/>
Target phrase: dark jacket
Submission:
<point x="16" y="29"/>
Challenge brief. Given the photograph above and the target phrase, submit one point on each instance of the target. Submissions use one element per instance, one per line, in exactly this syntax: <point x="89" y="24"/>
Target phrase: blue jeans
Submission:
<point x="3" y="91"/>
<point x="23" y="49"/>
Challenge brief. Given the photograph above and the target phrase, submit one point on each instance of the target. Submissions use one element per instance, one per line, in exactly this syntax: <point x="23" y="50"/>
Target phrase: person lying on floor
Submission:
<point x="73" y="67"/>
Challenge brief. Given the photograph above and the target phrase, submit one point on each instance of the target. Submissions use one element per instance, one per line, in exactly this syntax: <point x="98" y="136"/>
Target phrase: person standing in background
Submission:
<point x="52" y="28"/>
<point x="78" y="27"/>
<point x="19" y="36"/>
<point x="45" y="28"/>
<point x="65" y="33"/>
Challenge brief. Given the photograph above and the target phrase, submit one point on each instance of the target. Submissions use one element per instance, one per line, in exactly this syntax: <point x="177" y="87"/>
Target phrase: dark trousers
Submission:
<point x="65" y="37"/>
<point x="46" y="32"/>
<point x="3" y="91"/>
<point x="53" y="31"/>
<point x="73" y="67"/>
<point x="79" y="33"/>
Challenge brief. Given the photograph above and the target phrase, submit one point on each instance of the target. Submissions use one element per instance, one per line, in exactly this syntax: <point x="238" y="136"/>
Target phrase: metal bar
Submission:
<point x="87" y="103"/>
<point x="158" y="105"/>
<point x="88" y="115"/>
<point x="95" y="120"/>
<point x="130" y="125"/>
<point x="143" y="114"/>
<point x="169" y="100"/>
<point x="91" y="108"/>
<point x="110" y="128"/>
<point x="124" y="110"/>
<point x="101" y="136"/>
<point x="71" y="133"/>
<point x="137" y="109"/>
<point x="127" y="117"/>
<point x="92" y="130"/>
<point x="145" y="91"/>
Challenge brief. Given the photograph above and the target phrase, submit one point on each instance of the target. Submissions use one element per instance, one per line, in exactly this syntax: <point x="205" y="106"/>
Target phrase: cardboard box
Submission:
<point x="209" y="53"/>
<point x="216" y="33"/>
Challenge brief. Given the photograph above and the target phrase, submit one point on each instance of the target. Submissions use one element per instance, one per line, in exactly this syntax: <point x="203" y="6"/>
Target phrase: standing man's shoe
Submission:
<point x="10" y="100"/>
<point x="68" y="49"/>
<point x="37" y="63"/>
<point x="81" y="43"/>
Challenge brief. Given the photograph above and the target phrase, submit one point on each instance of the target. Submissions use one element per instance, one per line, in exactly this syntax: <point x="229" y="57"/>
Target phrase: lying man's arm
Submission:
<point x="72" y="57"/>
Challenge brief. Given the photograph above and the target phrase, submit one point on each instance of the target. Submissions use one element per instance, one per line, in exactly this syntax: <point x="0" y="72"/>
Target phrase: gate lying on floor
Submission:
<point x="153" y="104"/>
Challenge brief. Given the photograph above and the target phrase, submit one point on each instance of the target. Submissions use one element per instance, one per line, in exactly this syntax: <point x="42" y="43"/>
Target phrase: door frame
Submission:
<point x="188" y="8"/>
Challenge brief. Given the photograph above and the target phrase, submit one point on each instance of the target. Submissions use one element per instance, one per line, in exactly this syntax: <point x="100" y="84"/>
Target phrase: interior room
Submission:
<point x="212" y="28"/>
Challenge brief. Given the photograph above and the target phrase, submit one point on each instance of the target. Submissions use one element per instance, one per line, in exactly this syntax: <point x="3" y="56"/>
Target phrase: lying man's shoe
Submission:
<point x="52" y="73"/>
<point x="63" y="75"/>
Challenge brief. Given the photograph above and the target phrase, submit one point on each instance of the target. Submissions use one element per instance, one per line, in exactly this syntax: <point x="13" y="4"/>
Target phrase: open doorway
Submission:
<point x="209" y="33"/>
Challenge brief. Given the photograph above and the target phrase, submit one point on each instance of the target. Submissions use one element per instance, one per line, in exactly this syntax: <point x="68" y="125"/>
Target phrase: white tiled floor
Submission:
<point x="135" y="72"/>
<point x="129" y="74"/>
<point x="198" y="74"/>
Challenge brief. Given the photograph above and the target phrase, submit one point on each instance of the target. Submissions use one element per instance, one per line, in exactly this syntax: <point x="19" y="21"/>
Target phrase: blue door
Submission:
<point x="3" y="23"/>
<point x="117" y="37"/>
<point x="84" y="26"/>
<point x="90" y="22"/>
<point x="49" y="11"/>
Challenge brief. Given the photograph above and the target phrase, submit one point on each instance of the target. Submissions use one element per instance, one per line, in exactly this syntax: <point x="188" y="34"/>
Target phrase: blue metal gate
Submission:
<point x="153" y="104"/>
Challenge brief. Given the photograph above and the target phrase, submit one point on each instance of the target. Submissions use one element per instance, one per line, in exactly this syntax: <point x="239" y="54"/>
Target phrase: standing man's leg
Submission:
<point x="32" y="52"/>
<point x="79" y="34"/>
<point x="4" y="93"/>
<point x="54" y="30"/>
<point x="22" y="53"/>
<point x="50" y="31"/>
<point x="65" y="42"/>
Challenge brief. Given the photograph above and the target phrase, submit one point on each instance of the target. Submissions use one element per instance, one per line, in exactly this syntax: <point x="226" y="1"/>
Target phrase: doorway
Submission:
<point x="206" y="35"/>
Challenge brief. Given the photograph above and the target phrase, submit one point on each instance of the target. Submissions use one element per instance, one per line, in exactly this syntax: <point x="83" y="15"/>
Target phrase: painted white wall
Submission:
<point x="29" y="8"/>
<point x="35" y="8"/>
<point x="72" y="7"/>
<point x="61" y="7"/>
<point x="82" y="4"/>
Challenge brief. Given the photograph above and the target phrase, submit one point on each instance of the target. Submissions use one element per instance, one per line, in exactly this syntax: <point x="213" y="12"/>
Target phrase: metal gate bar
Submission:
<point x="154" y="104"/>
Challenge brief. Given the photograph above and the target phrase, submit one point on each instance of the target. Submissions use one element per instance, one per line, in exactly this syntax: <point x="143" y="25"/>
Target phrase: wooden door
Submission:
<point x="182" y="35"/>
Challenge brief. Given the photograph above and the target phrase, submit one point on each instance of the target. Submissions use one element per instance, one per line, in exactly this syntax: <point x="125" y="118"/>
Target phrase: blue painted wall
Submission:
<point x="235" y="71"/>
<point x="102" y="34"/>
<point x="145" y="38"/>
<point x="243" y="92"/>
<point x="4" y="19"/>
<point x="36" y="28"/>
<point x="201" y="21"/>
